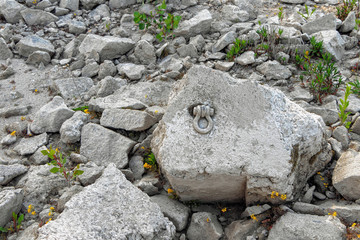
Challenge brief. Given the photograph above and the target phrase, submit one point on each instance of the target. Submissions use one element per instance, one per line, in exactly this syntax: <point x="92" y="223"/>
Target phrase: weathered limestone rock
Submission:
<point x="108" y="47"/>
<point x="5" y="52"/>
<point x="145" y="52"/>
<point x="90" y="4"/>
<point x="303" y="226"/>
<point x="293" y="1"/>
<point x="8" y="172"/>
<point x="246" y="58"/>
<point x="349" y="23"/>
<point x="234" y="14"/>
<point x="10" y="201"/>
<point x="114" y="102"/>
<point x="103" y="146"/>
<point x="131" y="210"/>
<point x="51" y="116"/>
<point x="30" y="44"/>
<point x="66" y="196"/>
<point x="37" y="17"/>
<point x="38" y="57"/>
<point x="274" y="70"/>
<point x="327" y="22"/>
<point x="11" y="9"/>
<point x="240" y="229"/>
<point x="199" y="24"/>
<point x="332" y="42"/>
<point x="29" y="145"/>
<point x="346" y="175"/>
<point x="73" y="87"/>
<point x="91" y="173"/>
<point x="130" y="70"/>
<point x="201" y="229"/>
<point x="107" y="68"/>
<point x="258" y="134"/>
<point x="72" y="5"/>
<point x="130" y="120"/>
<point x="109" y="85"/>
<point x="224" y="41"/>
<point x="116" y="4"/>
<point x="70" y="130"/>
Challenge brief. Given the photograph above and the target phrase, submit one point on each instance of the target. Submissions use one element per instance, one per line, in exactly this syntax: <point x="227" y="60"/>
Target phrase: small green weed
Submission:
<point x="239" y="47"/>
<point x="83" y="108"/>
<point x="17" y="220"/>
<point x="150" y="162"/>
<point x="355" y="87"/>
<point x="344" y="103"/>
<point x="316" y="48"/>
<point x="166" y="24"/>
<point x="307" y="13"/>
<point x="281" y="14"/>
<point x="59" y="162"/>
<point x="346" y="7"/>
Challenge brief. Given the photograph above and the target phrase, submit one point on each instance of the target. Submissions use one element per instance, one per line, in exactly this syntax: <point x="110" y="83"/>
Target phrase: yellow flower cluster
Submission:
<point x="323" y="179"/>
<point x="147" y="166"/>
<point x="224" y="209"/>
<point x="13" y="133"/>
<point x="276" y="194"/>
<point x="30" y="209"/>
<point x="23" y="118"/>
<point x="170" y="190"/>
<point x="87" y="111"/>
<point x="51" y="211"/>
<point x="254" y="218"/>
<point x="334" y="214"/>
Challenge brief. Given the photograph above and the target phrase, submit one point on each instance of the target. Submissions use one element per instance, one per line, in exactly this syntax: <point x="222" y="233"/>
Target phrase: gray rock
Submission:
<point x="308" y="195"/>
<point x="187" y="50"/>
<point x="341" y="134"/>
<point x="38" y="57"/>
<point x="8" y="172"/>
<point x="239" y="230"/>
<point x="223" y="66"/>
<point x="132" y="212"/>
<point x="114" y="102"/>
<point x="107" y="47"/>
<point x="130" y="70"/>
<point x="72" y="48"/>
<point x="307" y="208"/>
<point x="274" y="70"/>
<point x="61" y="11"/>
<point x="77" y="27"/>
<point x="349" y="23"/>
<point x="332" y="43"/>
<point x="90" y="4"/>
<point x="336" y="147"/>
<point x="149" y="184"/>
<point x="101" y="11"/>
<point x="303" y="226"/>
<point x="29" y="233"/>
<point x="14" y="111"/>
<point x="299" y="93"/>
<point x="225" y="181"/>
<point x="107" y="68"/>
<point x="255" y="210"/>
<point x="70" y="131"/>
<point x="204" y="226"/>
<point x="246" y="58"/>
<point x="51" y="116"/>
<point x="319" y="196"/>
<point x="249" y="6"/>
<point x="109" y="85"/>
<point x="91" y="173"/>
<point x="293" y="1"/>
<point x="78" y="158"/>
<point x="177" y="212"/>
<point x="67" y="195"/>
<point x="72" y="5"/>
<point x="199" y="24"/>
<point x="4" y="74"/>
<point x="70" y="88"/>
<point x="327" y="22"/>
<point x="103" y="146"/>
<point x="224" y="41"/>
<point x="5" y="52"/>
<point x="328" y="115"/>
<point x="145" y="52"/>
<point x="90" y="69"/>
<point x="30" y="145"/>
<point x="37" y="17"/>
<point x="347" y="211"/>
<point x="130" y="120"/>
<point x="116" y="4"/>
<point x="198" y="41"/>
<point x="234" y="14"/>
<point x="171" y="64"/>
<point x="346" y="176"/>
<point x="8" y="139"/>
<point x="30" y="44"/>
<point x="11" y="9"/>
<point x="355" y="128"/>
<point x="38" y="158"/>
<point x="136" y="165"/>
<point x="354" y="105"/>
<point x="10" y="201"/>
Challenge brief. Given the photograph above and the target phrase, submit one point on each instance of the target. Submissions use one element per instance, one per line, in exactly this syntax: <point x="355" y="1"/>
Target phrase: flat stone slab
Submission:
<point x="30" y="44"/>
<point x="10" y="201"/>
<point x="8" y="172"/>
<point x="260" y="141"/>
<point x="111" y="208"/>
<point x="73" y="87"/>
<point x="29" y="145"/>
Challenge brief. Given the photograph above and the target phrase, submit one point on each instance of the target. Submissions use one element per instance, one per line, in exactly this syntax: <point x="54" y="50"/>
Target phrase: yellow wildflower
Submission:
<point x="353" y="225"/>
<point x="50" y="213"/>
<point x="146" y="96"/>
<point x="253" y="217"/>
<point x="142" y="147"/>
<point x="277" y="194"/>
<point x="36" y="90"/>
<point x="208" y="220"/>
<point x="33" y="213"/>
<point x="317" y="172"/>
<point x="23" y="118"/>
<point x="315" y="6"/>
<point x="30" y="207"/>
<point x="147" y="166"/>
<point x="57" y="150"/>
<point x="283" y="196"/>
<point x="156" y="111"/>
<point x="272" y="194"/>
<point x="170" y="190"/>
<point x="307" y="53"/>
<point x="13" y="133"/>
<point x="333" y="214"/>
<point x="52" y="208"/>
<point x="358" y="235"/>
<point x="224" y="209"/>
<point x="86" y="111"/>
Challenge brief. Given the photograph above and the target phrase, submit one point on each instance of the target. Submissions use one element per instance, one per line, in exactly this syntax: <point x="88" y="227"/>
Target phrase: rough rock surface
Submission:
<point x="200" y="23"/>
<point x="249" y="160"/>
<point x="73" y="87"/>
<point x="204" y="226"/>
<point x="304" y="226"/>
<point x="5" y="52"/>
<point x="29" y="145"/>
<point x="10" y="201"/>
<point x="333" y="43"/>
<point x="51" y="116"/>
<point x="7" y="173"/>
<point x="112" y="203"/>
<point x="103" y="146"/>
<point x="70" y="130"/>
<point x="30" y="44"/>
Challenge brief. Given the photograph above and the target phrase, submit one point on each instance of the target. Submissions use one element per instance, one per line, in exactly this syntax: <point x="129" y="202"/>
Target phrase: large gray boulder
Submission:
<point x="333" y="43"/>
<point x="234" y="14"/>
<point x="304" y="226"/>
<point x="327" y="22"/>
<point x="70" y="130"/>
<point x="5" y="52"/>
<point x="10" y="201"/>
<point x="145" y="52"/>
<point x="346" y="175"/>
<point x="116" y="4"/>
<point x="51" y="116"/>
<point x="103" y="146"/>
<point x="199" y="24"/>
<point x="11" y="9"/>
<point x="37" y="17"/>
<point x="108" y="47"/>
<point x="349" y="23"/>
<point x="111" y="208"/>
<point x="8" y="172"/>
<point x="30" y="44"/>
<point x="73" y="87"/>
<point x="258" y="134"/>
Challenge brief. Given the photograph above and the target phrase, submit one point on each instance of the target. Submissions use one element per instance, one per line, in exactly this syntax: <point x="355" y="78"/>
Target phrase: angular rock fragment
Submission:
<point x="70" y="130"/>
<point x="131" y="211"/>
<point x="37" y="17"/>
<point x="327" y="22"/>
<point x="199" y="24"/>
<point x="30" y="44"/>
<point x="130" y="70"/>
<point x="8" y="172"/>
<point x="274" y="70"/>
<point x="204" y="226"/>
<point x="145" y="52"/>
<point x="333" y="43"/>
<point x="11" y="9"/>
<point x="10" y="201"/>
<point x="116" y="4"/>
<point x="29" y="145"/>
<point x="5" y="52"/>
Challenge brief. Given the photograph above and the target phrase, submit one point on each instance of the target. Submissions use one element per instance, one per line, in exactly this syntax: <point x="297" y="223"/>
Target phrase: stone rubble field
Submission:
<point x="245" y="148"/>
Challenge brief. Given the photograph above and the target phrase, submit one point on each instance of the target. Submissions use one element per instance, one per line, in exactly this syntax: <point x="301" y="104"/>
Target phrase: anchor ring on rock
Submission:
<point x="203" y="111"/>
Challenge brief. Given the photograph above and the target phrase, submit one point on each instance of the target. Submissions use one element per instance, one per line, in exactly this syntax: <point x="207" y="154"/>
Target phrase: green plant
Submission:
<point x="344" y="103"/>
<point x="344" y="10"/>
<point x="281" y="14"/>
<point x="307" y="14"/>
<point x="316" y="47"/>
<point x="59" y="162"/>
<point x="263" y="33"/>
<point x="83" y="108"/>
<point x="355" y="87"/>
<point x="16" y="224"/>
<point x="166" y="25"/>
<point x="323" y="77"/>
<point x="107" y="25"/>
<point x="150" y="162"/>
<point x="239" y="47"/>
<point x="357" y="24"/>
